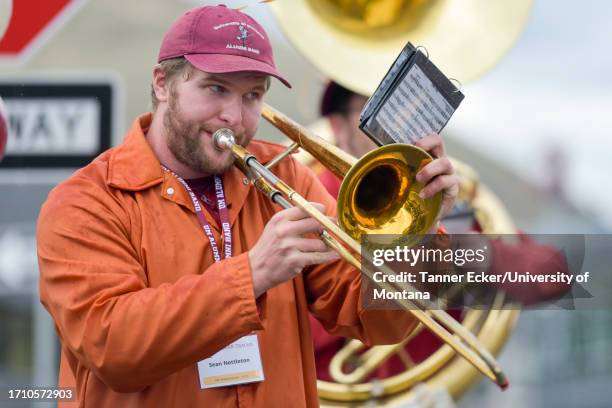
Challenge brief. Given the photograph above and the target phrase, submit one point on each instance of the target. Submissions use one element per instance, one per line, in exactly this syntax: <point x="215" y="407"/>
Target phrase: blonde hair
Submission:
<point x="172" y="69"/>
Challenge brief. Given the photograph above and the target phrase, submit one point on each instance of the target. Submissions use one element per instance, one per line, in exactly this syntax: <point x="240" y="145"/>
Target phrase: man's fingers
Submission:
<point x="308" y="244"/>
<point x="315" y="258"/>
<point x="319" y="206"/>
<point x="435" y="168"/>
<point x="296" y="213"/>
<point x="431" y="144"/>
<point x="438" y="184"/>
<point x="290" y="214"/>
<point x="297" y="228"/>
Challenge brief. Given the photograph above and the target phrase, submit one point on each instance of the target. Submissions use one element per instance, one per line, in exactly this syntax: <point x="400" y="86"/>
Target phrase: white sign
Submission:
<point x="49" y="126"/>
<point x="58" y="122"/>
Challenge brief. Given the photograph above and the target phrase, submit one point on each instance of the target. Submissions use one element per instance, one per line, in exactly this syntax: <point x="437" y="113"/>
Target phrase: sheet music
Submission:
<point x="415" y="109"/>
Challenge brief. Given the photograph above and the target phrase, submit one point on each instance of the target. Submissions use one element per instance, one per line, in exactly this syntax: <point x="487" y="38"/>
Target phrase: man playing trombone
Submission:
<point x="171" y="280"/>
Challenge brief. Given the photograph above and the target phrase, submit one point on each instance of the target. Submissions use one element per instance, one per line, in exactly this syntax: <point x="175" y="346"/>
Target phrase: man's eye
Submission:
<point x="252" y="96"/>
<point x="216" y="88"/>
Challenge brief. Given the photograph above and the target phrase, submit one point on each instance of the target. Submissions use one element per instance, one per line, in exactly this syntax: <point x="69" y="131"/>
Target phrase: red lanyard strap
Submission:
<point x="223" y="216"/>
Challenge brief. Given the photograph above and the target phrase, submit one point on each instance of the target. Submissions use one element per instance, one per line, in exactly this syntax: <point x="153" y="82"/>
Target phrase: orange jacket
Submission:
<point x="128" y="276"/>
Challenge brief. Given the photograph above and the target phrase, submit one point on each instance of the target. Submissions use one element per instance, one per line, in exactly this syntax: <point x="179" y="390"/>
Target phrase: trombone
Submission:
<point x="384" y="176"/>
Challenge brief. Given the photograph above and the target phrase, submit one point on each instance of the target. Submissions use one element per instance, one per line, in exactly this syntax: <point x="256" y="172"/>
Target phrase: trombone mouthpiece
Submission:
<point x="223" y="139"/>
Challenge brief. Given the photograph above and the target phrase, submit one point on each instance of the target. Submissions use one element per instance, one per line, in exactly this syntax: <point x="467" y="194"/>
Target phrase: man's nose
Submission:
<point x="231" y="112"/>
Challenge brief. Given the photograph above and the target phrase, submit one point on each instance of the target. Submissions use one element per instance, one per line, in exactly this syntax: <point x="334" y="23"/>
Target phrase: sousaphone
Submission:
<point x="354" y="42"/>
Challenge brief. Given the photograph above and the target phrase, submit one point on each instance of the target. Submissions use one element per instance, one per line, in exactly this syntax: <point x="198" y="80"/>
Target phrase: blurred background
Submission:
<point x="536" y="128"/>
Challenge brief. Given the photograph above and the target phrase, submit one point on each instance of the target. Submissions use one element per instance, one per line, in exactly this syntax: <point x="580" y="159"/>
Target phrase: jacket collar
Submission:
<point x="133" y="165"/>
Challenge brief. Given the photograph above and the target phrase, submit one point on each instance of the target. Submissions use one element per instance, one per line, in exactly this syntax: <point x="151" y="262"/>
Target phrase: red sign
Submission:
<point x="31" y="23"/>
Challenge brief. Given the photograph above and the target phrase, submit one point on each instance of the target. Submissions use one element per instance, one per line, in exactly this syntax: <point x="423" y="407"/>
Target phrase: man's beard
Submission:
<point x="185" y="142"/>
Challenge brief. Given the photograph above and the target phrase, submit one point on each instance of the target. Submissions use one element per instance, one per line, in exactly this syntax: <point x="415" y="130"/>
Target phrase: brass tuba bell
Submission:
<point x="353" y="42"/>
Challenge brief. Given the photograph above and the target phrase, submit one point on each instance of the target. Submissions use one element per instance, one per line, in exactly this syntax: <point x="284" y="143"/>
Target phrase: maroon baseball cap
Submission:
<point x="218" y="39"/>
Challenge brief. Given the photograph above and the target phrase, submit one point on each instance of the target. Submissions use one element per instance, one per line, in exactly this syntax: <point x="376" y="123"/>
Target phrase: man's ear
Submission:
<point x="160" y="85"/>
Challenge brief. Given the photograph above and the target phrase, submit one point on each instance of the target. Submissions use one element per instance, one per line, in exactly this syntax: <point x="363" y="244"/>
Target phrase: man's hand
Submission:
<point x="439" y="175"/>
<point x="282" y="251"/>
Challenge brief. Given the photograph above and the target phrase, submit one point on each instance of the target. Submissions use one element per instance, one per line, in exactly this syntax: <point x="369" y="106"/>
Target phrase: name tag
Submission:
<point x="238" y="363"/>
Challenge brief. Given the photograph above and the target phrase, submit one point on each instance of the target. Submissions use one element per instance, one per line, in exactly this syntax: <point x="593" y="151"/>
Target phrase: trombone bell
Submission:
<point x="380" y="194"/>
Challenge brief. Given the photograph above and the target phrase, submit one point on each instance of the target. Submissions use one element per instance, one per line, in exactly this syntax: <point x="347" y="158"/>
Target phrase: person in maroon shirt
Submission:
<point x="341" y="108"/>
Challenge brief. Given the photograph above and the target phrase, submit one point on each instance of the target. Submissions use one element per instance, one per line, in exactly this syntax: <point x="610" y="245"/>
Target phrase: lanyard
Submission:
<point x="223" y="216"/>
